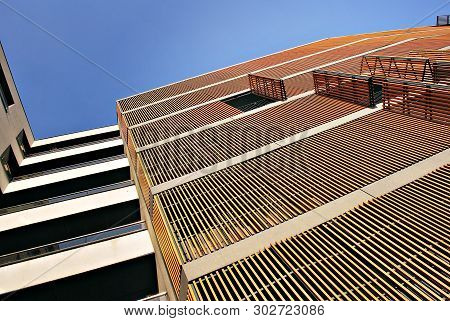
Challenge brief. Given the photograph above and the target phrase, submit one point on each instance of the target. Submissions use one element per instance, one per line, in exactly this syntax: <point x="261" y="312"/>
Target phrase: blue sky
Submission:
<point x="141" y="44"/>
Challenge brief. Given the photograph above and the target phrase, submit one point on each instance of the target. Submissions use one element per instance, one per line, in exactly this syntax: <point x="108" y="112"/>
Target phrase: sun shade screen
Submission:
<point x="353" y="88"/>
<point x="432" y="54"/>
<point x="267" y="87"/>
<point x="376" y="251"/>
<point x="430" y="102"/>
<point x="441" y="72"/>
<point x="406" y="68"/>
<point x="122" y="125"/>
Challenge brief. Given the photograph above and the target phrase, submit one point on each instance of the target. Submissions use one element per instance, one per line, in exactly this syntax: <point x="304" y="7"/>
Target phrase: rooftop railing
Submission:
<point x="405" y="68"/>
<point x="443" y="20"/>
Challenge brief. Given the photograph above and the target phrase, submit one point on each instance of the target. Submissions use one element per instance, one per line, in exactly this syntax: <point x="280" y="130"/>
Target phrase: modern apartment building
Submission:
<point x="317" y="173"/>
<point x="321" y="172"/>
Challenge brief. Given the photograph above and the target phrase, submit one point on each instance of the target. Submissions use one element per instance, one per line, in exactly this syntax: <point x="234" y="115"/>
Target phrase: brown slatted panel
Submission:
<point x="395" y="247"/>
<point x="353" y="88"/>
<point x="122" y="126"/>
<point x="432" y="54"/>
<point x="441" y="72"/>
<point x="143" y="183"/>
<point x="430" y="102"/>
<point x="267" y="87"/>
<point x="168" y="249"/>
<point x="242" y="69"/>
<point x="183" y="122"/>
<point x="132" y="152"/>
<point x="230" y="205"/>
<point x="353" y="66"/>
<point x="167" y="107"/>
<point x="299" y="84"/>
<point x="194" y="152"/>
<point x="329" y="57"/>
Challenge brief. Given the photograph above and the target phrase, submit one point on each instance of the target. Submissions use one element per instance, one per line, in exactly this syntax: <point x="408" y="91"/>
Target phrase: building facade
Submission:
<point x="321" y="172"/>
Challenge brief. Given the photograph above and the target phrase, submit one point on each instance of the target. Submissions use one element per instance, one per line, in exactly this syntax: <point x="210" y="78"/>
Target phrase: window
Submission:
<point x="247" y="101"/>
<point x="9" y="163"/>
<point x="23" y="143"/>
<point x="5" y="93"/>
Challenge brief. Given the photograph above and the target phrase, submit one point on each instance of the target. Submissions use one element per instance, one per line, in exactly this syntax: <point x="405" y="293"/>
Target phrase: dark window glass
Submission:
<point x="5" y="93"/>
<point x="9" y="163"/>
<point x="23" y="143"/>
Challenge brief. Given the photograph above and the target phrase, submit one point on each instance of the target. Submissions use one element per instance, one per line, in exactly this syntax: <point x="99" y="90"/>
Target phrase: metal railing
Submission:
<point x="162" y="296"/>
<point x="68" y="167"/>
<point x="405" y="68"/>
<point x="62" y="198"/>
<point x="59" y="149"/>
<point x="443" y="20"/>
<point x="28" y="254"/>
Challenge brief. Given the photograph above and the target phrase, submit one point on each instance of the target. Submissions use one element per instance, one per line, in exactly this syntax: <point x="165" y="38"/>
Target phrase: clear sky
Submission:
<point x="110" y="49"/>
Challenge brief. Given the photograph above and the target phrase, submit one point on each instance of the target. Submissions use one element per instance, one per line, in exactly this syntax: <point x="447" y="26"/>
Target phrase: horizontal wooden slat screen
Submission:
<point x="267" y="87"/>
<point x="143" y="183"/>
<point x="395" y="247"/>
<point x="441" y="72"/>
<point x="431" y="54"/>
<point x="430" y="102"/>
<point x="354" y="88"/>
<point x="122" y="125"/>
<point x="167" y="245"/>
<point x="225" y="207"/>
<point x="406" y="68"/>
<point x="132" y="152"/>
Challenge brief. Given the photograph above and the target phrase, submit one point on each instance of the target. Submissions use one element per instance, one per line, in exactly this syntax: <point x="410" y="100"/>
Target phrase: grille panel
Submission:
<point x="227" y="206"/>
<point x="386" y="249"/>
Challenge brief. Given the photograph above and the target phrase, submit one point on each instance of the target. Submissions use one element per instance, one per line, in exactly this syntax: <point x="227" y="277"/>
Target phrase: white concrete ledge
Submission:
<point x="261" y="151"/>
<point x="66" y="208"/>
<point x="19" y="185"/>
<point x="71" y="262"/>
<point x="408" y="174"/>
<point x="86" y="133"/>
<point x="71" y="152"/>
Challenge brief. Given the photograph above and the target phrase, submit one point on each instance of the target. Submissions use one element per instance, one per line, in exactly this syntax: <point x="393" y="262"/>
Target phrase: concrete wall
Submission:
<point x="11" y="122"/>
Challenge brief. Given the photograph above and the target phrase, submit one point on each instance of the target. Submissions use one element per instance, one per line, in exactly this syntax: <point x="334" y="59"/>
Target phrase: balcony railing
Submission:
<point x="66" y="197"/>
<point x="426" y="101"/>
<point x="68" y="167"/>
<point x="353" y="88"/>
<point x="72" y="243"/>
<point x="267" y="87"/>
<point x="58" y="149"/>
